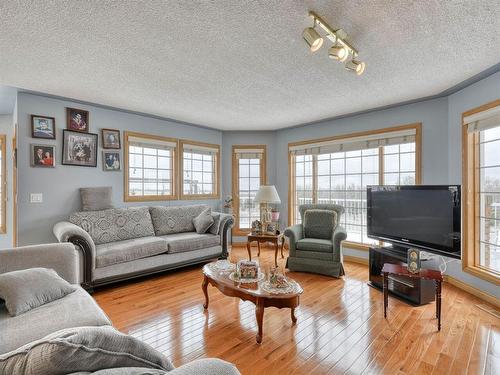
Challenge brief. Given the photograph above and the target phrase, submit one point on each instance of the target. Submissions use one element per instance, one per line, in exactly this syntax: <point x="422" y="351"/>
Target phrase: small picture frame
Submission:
<point x="43" y="156"/>
<point x="77" y="120"/>
<point x="79" y="149"/>
<point x="413" y="261"/>
<point x="43" y="127"/>
<point x="111" y="161"/>
<point x="110" y="139"/>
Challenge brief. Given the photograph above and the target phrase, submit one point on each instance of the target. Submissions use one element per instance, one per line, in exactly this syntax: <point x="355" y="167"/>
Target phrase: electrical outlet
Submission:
<point x="36" y="198"/>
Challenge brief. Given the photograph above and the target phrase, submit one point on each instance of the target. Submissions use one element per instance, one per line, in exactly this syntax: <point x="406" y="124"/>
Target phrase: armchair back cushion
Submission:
<point x="175" y="219"/>
<point x="116" y="224"/>
<point x="319" y="223"/>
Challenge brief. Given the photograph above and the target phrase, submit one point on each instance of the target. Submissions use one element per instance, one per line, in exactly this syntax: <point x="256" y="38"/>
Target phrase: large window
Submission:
<point x="199" y="170"/>
<point x="337" y="170"/>
<point x="3" y="185"/>
<point x="149" y="167"/>
<point x="249" y="172"/>
<point x="481" y="255"/>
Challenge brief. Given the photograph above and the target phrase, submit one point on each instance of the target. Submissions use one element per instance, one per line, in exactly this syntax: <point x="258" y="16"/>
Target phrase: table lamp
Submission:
<point x="266" y="194"/>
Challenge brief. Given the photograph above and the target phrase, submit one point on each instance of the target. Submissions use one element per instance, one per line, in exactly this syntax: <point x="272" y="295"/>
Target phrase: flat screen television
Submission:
<point x="424" y="217"/>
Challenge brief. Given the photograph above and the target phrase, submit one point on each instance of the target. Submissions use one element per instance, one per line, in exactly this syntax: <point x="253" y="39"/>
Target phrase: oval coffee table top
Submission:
<point x="222" y="277"/>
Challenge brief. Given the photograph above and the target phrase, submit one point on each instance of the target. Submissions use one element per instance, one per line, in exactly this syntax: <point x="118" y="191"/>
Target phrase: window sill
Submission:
<point x="149" y="198"/>
<point x="482" y="274"/>
<point x="199" y="196"/>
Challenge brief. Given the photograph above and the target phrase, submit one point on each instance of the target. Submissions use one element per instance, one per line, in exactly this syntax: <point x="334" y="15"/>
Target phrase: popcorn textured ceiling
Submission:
<point x="242" y="65"/>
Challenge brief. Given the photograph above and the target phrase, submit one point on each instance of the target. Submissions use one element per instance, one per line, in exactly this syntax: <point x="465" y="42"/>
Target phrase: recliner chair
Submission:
<point x="315" y="245"/>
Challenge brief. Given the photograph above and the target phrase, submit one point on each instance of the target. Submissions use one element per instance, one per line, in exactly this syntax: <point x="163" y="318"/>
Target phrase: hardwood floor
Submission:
<point x="340" y="327"/>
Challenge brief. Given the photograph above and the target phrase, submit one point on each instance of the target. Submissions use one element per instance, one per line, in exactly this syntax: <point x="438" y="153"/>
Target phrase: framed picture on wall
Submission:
<point x="77" y="120"/>
<point x="110" y="139"/>
<point x="43" y="127"/>
<point x="111" y="161"/>
<point x="43" y="156"/>
<point x="79" y="149"/>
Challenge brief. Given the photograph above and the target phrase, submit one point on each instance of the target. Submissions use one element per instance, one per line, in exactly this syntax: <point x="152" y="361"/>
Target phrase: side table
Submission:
<point x="423" y="274"/>
<point x="277" y="239"/>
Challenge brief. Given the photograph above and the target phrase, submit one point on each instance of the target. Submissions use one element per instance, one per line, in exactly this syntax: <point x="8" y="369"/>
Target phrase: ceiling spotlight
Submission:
<point x="355" y="66"/>
<point x="313" y="39"/>
<point x="339" y="53"/>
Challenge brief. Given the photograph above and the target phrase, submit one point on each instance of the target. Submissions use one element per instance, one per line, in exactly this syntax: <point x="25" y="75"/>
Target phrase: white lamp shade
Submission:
<point x="267" y="194"/>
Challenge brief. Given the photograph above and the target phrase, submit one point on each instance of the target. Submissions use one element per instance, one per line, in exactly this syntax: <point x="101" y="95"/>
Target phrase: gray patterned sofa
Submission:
<point x="123" y="243"/>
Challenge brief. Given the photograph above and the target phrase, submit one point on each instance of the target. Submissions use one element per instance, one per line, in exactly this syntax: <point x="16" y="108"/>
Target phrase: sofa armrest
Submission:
<point x="294" y="233"/>
<point x="339" y="235"/>
<point x="225" y="225"/>
<point x="69" y="232"/>
<point x="61" y="257"/>
<point x="206" y="366"/>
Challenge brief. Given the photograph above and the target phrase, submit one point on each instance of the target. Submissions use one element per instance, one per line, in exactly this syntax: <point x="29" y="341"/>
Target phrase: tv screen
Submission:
<point x="425" y="217"/>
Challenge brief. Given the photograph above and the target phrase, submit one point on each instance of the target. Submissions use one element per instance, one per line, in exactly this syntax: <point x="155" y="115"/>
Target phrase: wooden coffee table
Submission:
<point x="250" y="292"/>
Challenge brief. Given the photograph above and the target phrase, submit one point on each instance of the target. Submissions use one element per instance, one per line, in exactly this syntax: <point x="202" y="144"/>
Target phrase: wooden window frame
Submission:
<point x="470" y="200"/>
<point x="148" y="198"/>
<point x="291" y="170"/>
<point x="3" y="181"/>
<point x="237" y="231"/>
<point x="216" y="194"/>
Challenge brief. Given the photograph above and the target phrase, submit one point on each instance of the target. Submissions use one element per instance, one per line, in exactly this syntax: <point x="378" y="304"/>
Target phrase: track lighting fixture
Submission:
<point x="341" y="49"/>
<point x="338" y="53"/>
<point x="355" y="66"/>
<point x="313" y="39"/>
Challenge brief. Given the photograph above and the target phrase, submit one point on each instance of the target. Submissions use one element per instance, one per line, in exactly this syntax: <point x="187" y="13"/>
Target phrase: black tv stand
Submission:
<point x="413" y="291"/>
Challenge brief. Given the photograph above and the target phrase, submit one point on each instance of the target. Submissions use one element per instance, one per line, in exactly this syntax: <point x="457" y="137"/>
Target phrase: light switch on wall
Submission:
<point x="36" y="198"/>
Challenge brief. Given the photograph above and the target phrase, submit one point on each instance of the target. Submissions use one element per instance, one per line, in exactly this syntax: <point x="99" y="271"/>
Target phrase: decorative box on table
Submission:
<point x="248" y="269"/>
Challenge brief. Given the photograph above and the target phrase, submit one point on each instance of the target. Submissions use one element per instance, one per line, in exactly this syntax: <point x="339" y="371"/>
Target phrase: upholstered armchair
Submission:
<point x="315" y="245"/>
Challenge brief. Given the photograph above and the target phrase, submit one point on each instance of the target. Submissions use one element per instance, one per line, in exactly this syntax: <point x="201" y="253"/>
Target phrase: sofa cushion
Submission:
<point x="180" y="242"/>
<point x="27" y="289"/>
<point x="319" y="223"/>
<point x="176" y="219"/>
<point x="82" y="349"/>
<point x="96" y="198"/>
<point x="128" y="250"/>
<point x="116" y="224"/>
<point x="76" y="309"/>
<point x="203" y="221"/>
<point x="315" y="244"/>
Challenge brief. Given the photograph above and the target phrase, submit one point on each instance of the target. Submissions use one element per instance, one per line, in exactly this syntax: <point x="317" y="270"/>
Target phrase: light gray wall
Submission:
<point x="7" y="128"/>
<point x="59" y="186"/>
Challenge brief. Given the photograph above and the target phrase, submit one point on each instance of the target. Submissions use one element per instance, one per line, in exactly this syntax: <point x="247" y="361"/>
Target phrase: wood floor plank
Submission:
<point x="340" y="327"/>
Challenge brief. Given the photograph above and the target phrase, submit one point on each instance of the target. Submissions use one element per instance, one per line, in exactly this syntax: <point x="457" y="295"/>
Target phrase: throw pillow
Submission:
<point x="26" y="289"/>
<point x="82" y="349"/>
<point x="203" y="221"/>
<point x="214" y="228"/>
<point x="96" y="198"/>
<point x="319" y="223"/>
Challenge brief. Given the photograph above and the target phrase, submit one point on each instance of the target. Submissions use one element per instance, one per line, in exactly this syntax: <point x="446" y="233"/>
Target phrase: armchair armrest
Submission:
<point x="208" y="366"/>
<point x="61" y="257"/>
<point x="294" y="233"/>
<point x="339" y="235"/>
<point x="225" y="225"/>
<point x="69" y="232"/>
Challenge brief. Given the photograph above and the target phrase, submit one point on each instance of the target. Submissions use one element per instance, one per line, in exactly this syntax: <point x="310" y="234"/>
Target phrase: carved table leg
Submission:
<point x="249" y="250"/>
<point x="259" y="314"/>
<point x="294" y="318"/>
<point x="258" y="248"/>
<point x="276" y="248"/>
<point x="282" y="246"/>
<point x="386" y="293"/>
<point x="204" y="286"/>
<point x="438" y="303"/>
